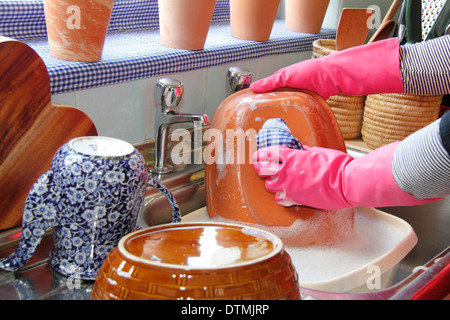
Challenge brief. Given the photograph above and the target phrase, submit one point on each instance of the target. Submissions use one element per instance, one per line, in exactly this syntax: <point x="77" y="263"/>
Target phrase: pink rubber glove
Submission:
<point x="362" y="70"/>
<point x="330" y="179"/>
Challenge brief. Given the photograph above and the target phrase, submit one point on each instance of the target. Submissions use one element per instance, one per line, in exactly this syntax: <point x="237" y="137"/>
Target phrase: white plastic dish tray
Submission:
<point x="378" y="243"/>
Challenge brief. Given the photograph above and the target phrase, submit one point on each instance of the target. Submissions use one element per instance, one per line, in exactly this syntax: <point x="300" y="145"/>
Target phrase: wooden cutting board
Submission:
<point x="353" y="27"/>
<point x="32" y="128"/>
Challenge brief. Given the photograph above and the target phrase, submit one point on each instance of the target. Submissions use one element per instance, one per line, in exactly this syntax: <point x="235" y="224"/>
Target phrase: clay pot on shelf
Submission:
<point x="305" y="15"/>
<point x="252" y="19"/>
<point x="184" y="24"/>
<point x="77" y="30"/>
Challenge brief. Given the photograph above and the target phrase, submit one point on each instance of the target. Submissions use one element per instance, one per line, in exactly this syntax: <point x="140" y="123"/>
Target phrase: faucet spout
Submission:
<point x="237" y="79"/>
<point x="168" y="94"/>
<point x="173" y="117"/>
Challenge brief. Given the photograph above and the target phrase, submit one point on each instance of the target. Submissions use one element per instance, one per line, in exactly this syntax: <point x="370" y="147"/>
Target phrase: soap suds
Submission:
<point x="369" y="240"/>
<point x="258" y="233"/>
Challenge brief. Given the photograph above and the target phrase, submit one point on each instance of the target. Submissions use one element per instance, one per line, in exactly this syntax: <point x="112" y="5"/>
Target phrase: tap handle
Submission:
<point x="168" y="94"/>
<point x="237" y="79"/>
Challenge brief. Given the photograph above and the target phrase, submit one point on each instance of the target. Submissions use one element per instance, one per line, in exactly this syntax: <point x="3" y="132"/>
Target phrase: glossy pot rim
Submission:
<point x="121" y="247"/>
<point x="105" y="147"/>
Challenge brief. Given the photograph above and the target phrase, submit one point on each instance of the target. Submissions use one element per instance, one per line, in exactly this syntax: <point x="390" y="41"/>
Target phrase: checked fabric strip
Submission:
<point x="275" y="132"/>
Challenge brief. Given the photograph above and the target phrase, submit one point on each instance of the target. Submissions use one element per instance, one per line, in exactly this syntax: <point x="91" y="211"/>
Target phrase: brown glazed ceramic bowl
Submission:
<point x="198" y="261"/>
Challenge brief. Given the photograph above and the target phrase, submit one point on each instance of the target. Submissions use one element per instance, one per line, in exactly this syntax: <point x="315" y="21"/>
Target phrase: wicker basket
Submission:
<point x="323" y="47"/>
<point x="348" y="110"/>
<point x="392" y="117"/>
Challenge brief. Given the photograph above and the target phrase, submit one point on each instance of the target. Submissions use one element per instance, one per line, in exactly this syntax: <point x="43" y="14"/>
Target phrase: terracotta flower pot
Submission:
<point x="184" y="24"/>
<point x="305" y="15"/>
<point x="252" y="19"/>
<point x="77" y="29"/>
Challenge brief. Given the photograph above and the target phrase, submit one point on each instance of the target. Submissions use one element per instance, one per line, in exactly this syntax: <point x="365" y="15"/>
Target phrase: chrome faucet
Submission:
<point x="168" y="94"/>
<point x="238" y="79"/>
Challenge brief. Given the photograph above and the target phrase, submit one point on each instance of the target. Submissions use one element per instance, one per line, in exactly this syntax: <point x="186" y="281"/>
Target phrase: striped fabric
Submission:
<point x="421" y="165"/>
<point x="426" y="66"/>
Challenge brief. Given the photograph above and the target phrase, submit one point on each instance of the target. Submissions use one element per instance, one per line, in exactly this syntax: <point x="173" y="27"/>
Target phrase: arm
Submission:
<point x="413" y="172"/>
<point x="425" y="66"/>
<point x="379" y="67"/>
<point x="421" y="163"/>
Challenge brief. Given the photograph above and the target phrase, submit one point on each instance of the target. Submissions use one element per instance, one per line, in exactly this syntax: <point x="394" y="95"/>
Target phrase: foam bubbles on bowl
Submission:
<point x="371" y="239"/>
<point x="259" y="234"/>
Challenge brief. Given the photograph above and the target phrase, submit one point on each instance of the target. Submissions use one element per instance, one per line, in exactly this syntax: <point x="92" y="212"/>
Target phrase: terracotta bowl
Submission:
<point x="229" y="169"/>
<point x="198" y="261"/>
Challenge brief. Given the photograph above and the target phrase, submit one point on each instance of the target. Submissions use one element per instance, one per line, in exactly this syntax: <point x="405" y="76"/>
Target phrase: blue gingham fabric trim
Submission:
<point x="131" y="15"/>
<point x="275" y="132"/>
<point x="22" y="19"/>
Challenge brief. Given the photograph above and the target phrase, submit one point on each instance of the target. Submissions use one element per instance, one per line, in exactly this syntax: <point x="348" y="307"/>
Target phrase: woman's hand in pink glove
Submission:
<point x="310" y="177"/>
<point x="330" y="179"/>
<point x="361" y="70"/>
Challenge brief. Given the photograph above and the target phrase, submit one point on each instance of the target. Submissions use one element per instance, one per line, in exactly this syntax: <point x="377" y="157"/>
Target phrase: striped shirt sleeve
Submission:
<point x="421" y="163"/>
<point x="426" y="66"/>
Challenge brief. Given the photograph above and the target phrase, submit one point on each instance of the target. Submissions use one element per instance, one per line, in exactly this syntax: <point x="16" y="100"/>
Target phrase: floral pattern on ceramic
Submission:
<point x="92" y="197"/>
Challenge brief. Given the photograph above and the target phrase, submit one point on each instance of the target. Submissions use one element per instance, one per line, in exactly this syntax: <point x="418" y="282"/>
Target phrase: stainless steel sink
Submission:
<point x="430" y="256"/>
<point x="188" y="188"/>
<point x="431" y="222"/>
<point x="186" y="182"/>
